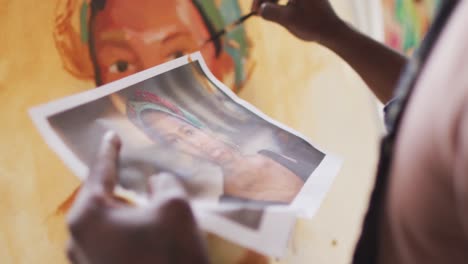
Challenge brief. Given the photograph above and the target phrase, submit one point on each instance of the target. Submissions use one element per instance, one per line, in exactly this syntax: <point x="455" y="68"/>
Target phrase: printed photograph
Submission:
<point x="181" y="122"/>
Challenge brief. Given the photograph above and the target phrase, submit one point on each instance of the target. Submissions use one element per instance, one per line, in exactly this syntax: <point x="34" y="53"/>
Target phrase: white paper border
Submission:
<point x="271" y="238"/>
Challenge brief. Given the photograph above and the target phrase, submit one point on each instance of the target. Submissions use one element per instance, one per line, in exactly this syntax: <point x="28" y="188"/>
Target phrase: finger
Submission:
<point x="75" y="254"/>
<point x="257" y="3"/>
<point x="164" y="186"/>
<point x="71" y="253"/>
<point x="275" y="13"/>
<point x="176" y="212"/>
<point x="104" y="172"/>
<point x="98" y="186"/>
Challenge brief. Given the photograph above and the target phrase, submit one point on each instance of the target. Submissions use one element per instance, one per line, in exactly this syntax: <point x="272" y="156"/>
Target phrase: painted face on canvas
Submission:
<point x="130" y="36"/>
<point x="187" y="138"/>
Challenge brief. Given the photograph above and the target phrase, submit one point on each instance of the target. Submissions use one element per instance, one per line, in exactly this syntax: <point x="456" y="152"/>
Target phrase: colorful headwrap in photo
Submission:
<point x="147" y="101"/>
<point x="72" y="34"/>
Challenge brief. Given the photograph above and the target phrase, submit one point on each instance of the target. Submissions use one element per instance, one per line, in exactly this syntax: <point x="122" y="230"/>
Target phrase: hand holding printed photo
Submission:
<point x="247" y="176"/>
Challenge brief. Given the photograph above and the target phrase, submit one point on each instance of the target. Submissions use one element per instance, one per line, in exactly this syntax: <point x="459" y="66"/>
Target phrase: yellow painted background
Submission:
<point x="300" y="84"/>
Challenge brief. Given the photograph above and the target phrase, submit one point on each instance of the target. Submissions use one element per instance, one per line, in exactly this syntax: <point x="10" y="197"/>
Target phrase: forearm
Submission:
<point x="378" y="65"/>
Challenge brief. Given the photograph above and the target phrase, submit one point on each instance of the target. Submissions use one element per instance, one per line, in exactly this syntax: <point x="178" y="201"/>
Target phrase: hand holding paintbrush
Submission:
<point x="229" y="27"/>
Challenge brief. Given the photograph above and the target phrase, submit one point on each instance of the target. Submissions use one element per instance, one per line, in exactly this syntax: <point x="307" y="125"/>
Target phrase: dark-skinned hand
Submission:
<point x="106" y="231"/>
<point x="309" y="20"/>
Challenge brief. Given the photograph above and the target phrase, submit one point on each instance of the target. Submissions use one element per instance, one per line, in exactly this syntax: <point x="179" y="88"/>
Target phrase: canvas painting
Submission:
<point x="407" y="21"/>
<point x="105" y="40"/>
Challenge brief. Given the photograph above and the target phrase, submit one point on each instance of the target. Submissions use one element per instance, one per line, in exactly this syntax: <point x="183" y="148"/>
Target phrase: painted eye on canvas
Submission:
<point x="120" y="66"/>
<point x="176" y="54"/>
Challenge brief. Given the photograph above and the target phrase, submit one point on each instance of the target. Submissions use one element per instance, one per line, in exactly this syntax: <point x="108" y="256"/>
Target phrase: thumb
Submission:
<point x="168" y="198"/>
<point x="103" y="174"/>
<point x="275" y="13"/>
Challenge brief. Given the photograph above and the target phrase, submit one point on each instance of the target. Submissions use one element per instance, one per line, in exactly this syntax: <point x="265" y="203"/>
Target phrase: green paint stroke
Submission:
<point x="231" y="11"/>
<point x="407" y="16"/>
<point x="219" y="17"/>
<point x="84" y="23"/>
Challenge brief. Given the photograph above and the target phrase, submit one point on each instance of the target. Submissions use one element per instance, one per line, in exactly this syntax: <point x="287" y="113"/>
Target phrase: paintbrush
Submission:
<point x="230" y="27"/>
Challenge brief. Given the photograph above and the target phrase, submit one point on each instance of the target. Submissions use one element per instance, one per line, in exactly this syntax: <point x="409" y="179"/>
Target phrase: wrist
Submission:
<point x="334" y="34"/>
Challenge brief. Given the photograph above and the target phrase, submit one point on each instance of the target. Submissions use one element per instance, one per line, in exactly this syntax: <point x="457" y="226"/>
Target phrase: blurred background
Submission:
<point x="44" y="55"/>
